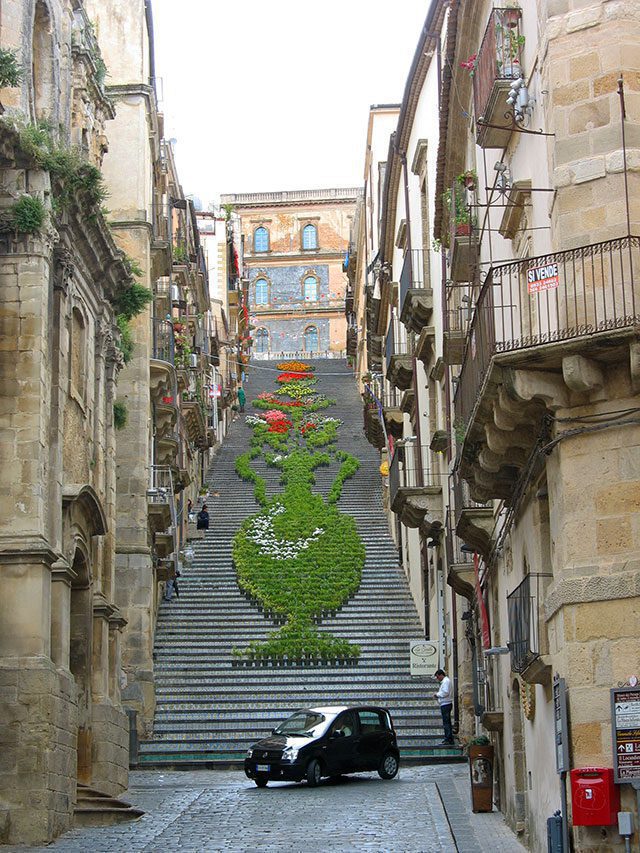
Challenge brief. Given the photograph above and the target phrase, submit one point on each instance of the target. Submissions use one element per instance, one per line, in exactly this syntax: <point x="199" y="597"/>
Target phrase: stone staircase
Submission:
<point x="208" y="709"/>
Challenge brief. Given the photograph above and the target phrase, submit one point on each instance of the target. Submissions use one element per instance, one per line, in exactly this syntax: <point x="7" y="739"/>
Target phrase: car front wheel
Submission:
<point x="261" y="782"/>
<point x="314" y="773"/>
<point x="388" y="766"/>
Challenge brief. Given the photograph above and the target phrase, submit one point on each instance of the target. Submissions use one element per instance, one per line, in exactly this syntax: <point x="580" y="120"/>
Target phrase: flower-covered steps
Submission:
<point x="208" y="709"/>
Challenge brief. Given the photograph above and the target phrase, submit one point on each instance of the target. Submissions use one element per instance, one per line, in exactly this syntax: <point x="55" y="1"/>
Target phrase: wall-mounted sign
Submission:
<point x="625" y="725"/>
<point x="542" y="278"/>
<point x="423" y="657"/>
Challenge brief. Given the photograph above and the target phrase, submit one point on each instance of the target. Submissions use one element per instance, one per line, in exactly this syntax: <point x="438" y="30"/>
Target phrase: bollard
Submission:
<point x="554" y="833"/>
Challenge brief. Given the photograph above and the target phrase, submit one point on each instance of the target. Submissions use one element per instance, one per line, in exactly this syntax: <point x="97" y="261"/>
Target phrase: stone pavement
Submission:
<point x="424" y="810"/>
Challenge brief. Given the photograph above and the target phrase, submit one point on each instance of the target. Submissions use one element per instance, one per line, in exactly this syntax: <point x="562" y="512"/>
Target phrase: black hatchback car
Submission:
<point x="317" y="742"/>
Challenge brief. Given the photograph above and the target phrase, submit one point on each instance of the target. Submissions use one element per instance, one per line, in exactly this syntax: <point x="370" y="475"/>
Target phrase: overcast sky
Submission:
<point x="274" y="94"/>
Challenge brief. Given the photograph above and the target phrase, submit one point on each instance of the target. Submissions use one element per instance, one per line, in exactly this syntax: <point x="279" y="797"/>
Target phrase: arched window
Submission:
<point x="262" y="292"/>
<point x="311" y="289"/>
<point x="42" y="63"/>
<point x="311" y="339"/>
<point x="262" y="340"/>
<point x="261" y="240"/>
<point x="309" y="237"/>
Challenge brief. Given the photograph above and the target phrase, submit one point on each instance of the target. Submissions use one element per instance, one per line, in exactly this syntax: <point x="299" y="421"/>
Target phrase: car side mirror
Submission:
<point x="337" y="734"/>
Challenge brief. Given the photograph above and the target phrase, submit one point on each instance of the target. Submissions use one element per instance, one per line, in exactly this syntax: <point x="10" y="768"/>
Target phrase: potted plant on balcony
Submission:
<point x="463" y="221"/>
<point x="468" y="180"/>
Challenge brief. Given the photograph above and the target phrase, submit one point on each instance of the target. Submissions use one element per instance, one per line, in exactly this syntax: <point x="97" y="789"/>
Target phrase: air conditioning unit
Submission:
<point x="175" y="293"/>
<point x="193" y="359"/>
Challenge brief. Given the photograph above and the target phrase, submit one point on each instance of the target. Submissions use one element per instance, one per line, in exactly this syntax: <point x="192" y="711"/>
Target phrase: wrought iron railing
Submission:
<point x="462" y="497"/>
<point x="524" y="613"/>
<point x="498" y="57"/>
<point x="407" y="470"/>
<point x="392" y="398"/>
<point x="397" y="343"/>
<point x="458" y="319"/>
<point x="163" y="341"/>
<point x="556" y="297"/>
<point x="160" y="489"/>
<point x="454" y="545"/>
<point x="412" y="274"/>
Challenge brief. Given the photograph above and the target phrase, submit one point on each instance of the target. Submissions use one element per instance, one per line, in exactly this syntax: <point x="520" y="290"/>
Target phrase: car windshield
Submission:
<point x="303" y="723"/>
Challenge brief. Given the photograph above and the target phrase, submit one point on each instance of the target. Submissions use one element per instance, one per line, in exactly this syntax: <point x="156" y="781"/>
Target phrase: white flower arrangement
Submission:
<point x="262" y="533"/>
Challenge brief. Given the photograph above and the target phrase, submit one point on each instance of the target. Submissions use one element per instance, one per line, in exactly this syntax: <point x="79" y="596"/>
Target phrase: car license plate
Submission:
<point x="263" y="768"/>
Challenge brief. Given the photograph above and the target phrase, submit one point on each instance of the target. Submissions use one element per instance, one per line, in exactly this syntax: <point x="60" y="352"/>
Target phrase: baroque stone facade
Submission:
<point x="61" y="716"/>
<point x="294" y="248"/>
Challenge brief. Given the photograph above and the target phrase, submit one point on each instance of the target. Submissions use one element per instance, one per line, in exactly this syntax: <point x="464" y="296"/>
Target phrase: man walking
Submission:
<point x="445" y="700"/>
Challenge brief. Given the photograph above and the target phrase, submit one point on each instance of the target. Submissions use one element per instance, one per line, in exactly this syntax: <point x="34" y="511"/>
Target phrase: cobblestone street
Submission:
<point x="424" y="809"/>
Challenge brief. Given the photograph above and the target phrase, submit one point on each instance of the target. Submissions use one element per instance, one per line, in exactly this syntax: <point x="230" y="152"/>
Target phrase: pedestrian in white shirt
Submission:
<point x="445" y="700"/>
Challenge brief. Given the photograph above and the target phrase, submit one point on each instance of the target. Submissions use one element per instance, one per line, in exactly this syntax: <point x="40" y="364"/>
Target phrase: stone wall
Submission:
<point x="38" y="715"/>
<point x="585" y="48"/>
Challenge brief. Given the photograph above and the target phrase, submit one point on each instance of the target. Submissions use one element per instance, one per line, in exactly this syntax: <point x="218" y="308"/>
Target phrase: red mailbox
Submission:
<point x="595" y="799"/>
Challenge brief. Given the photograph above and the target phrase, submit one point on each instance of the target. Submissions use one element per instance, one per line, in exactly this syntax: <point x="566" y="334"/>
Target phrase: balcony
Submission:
<point x="415" y="301"/>
<point x="527" y="629"/>
<point x="399" y="359"/>
<point x="160" y="242"/>
<point x="373" y="429"/>
<point x="352" y="341"/>
<point x="542" y="330"/>
<point x="167" y="450"/>
<point x="455" y="325"/>
<point x="461" y="576"/>
<point x="474" y="521"/>
<point x="463" y="252"/>
<point x="497" y="66"/>
<point x="194" y="418"/>
<point x="162" y="375"/>
<point x="408" y="402"/>
<point x="165" y="416"/>
<point x="425" y="345"/>
<point x="414" y="495"/>
<point x="392" y="412"/>
<point x="159" y="498"/>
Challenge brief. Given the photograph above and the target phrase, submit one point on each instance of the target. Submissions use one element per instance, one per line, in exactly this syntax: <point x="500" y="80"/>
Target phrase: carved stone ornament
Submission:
<point x="106" y="345"/>
<point x="63" y="269"/>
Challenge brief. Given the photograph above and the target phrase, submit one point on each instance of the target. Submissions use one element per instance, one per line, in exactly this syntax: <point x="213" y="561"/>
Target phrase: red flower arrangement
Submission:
<point x="289" y="377"/>
<point x="305" y="428"/>
<point x="470" y="64"/>
<point x="281" y="427"/>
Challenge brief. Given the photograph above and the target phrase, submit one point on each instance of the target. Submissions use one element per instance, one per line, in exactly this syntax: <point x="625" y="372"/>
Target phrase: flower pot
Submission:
<point x="463" y="229"/>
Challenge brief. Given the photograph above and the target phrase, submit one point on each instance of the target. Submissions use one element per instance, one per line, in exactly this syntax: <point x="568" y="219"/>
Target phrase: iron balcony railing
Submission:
<point x="160" y="485"/>
<point x="524" y="613"/>
<point x="562" y="296"/>
<point x="392" y="398"/>
<point x="455" y="554"/>
<point x="498" y="57"/>
<point x="163" y="341"/>
<point x="462" y="497"/>
<point x="407" y="471"/>
<point x="412" y="274"/>
<point x="397" y="343"/>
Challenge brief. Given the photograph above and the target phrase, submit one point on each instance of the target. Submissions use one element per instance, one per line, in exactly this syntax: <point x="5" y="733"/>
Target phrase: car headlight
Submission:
<point x="249" y="753"/>
<point x="290" y="753"/>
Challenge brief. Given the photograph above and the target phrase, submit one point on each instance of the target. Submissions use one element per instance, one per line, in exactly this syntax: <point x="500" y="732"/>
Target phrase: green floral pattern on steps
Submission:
<point x="299" y="558"/>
